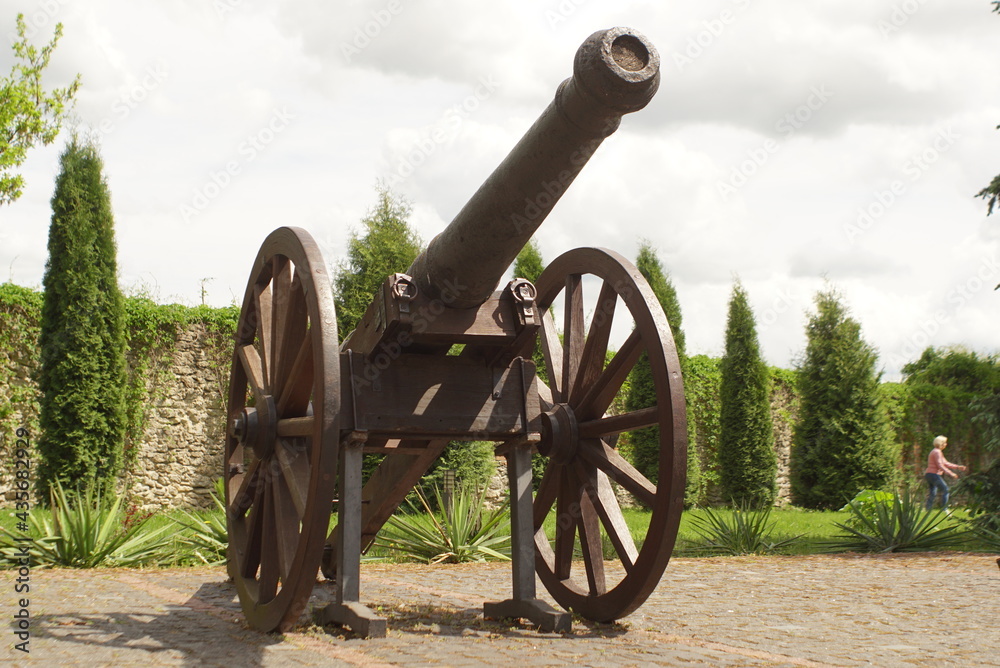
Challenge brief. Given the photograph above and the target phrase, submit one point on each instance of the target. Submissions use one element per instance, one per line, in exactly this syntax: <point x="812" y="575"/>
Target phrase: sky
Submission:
<point x="794" y="146"/>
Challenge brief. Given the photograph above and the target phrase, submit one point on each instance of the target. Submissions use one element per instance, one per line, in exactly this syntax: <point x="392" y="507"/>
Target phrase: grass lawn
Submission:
<point x="813" y="528"/>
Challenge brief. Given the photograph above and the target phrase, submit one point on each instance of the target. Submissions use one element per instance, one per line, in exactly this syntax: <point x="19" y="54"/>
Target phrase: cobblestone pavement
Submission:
<point x="909" y="610"/>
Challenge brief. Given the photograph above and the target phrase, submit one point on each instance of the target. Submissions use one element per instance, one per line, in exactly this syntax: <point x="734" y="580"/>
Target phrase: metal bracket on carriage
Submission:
<point x="403" y="319"/>
<point x="524" y="294"/>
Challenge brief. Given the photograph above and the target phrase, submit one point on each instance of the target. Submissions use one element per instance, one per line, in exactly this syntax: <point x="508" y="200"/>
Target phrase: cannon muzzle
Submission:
<point x="615" y="72"/>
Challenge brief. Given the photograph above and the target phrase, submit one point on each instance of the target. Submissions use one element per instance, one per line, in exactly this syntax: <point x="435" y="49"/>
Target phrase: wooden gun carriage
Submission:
<point x="303" y="409"/>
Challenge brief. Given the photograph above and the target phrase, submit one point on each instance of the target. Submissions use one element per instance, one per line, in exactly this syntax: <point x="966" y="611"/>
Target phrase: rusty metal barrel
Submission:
<point x="615" y="72"/>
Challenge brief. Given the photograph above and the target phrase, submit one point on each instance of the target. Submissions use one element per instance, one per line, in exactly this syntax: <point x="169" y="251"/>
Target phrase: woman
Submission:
<point x="936" y="465"/>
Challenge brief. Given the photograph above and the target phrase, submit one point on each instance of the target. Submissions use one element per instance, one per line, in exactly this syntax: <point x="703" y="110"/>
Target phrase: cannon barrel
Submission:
<point x="615" y="72"/>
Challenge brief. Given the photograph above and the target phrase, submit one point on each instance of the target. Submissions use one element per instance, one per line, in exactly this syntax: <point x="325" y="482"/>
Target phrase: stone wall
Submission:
<point x="784" y="412"/>
<point x="180" y="455"/>
<point x="180" y="451"/>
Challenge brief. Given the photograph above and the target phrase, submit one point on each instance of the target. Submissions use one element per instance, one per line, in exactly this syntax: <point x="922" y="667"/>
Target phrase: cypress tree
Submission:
<point x="82" y="374"/>
<point x="843" y="441"/>
<point x="747" y="463"/>
<point x="645" y="443"/>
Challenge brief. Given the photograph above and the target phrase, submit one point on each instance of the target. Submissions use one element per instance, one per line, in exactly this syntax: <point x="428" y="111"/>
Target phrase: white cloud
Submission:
<point x="810" y="112"/>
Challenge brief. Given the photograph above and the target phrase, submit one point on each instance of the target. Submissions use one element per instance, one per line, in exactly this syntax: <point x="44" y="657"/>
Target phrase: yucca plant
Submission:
<point x="742" y="530"/>
<point x="897" y="524"/>
<point x="206" y="536"/>
<point x="990" y="538"/>
<point x="87" y="530"/>
<point x="463" y="531"/>
<point x="864" y="502"/>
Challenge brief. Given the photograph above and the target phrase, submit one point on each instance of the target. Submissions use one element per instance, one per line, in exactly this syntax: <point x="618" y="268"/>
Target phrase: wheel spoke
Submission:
<point x="590" y="542"/>
<point x="607" y="459"/>
<point x="548" y="490"/>
<point x="255" y="524"/>
<point x="616" y="424"/>
<point x="294" y="397"/>
<point x="293" y="335"/>
<point x="552" y="353"/>
<point x="253" y="367"/>
<point x="595" y="349"/>
<point x="243" y="499"/>
<point x="262" y="297"/>
<point x="567" y="510"/>
<point x="572" y="333"/>
<point x="544" y="395"/>
<point x="602" y="392"/>
<point x="293" y="458"/>
<point x="600" y="493"/>
<point x="287" y="525"/>
<point x="280" y="283"/>
<point x="268" y="546"/>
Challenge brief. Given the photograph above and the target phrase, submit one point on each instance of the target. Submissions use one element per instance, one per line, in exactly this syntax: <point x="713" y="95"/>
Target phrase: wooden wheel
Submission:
<point x="579" y="436"/>
<point x="282" y="444"/>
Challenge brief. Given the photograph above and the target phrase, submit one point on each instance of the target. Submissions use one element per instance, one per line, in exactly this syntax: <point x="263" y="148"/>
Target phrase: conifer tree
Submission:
<point x="82" y="375"/>
<point x="843" y="441"/>
<point x="645" y="443"/>
<point x="747" y="463"/>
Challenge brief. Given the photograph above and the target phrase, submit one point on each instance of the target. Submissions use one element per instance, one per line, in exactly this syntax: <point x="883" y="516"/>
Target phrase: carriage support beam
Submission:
<point x="524" y="604"/>
<point x="348" y="611"/>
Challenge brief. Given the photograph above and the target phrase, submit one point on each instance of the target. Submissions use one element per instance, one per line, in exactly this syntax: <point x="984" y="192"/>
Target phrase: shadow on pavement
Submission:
<point x="442" y="620"/>
<point x="180" y="632"/>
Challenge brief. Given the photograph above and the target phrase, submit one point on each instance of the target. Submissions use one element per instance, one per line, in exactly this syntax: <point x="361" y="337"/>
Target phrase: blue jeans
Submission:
<point x="936" y="483"/>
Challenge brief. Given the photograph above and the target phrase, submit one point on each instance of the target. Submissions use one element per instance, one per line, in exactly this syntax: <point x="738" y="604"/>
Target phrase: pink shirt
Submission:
<point x="936" y="463"/>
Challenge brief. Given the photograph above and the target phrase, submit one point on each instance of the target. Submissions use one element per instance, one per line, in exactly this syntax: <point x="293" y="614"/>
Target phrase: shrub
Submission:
<point x="464" y="531"/>
<point x="743" y="530"/>
<point x="983" y="493"/>
<point x="898" y="524"/>
<point x="88" y="530"/>
<point x="864" y="502"/>
<point x="206" y="536"/>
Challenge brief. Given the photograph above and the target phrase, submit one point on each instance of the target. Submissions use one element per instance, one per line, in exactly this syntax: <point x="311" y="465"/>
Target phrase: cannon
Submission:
<point x="303" y="409"/>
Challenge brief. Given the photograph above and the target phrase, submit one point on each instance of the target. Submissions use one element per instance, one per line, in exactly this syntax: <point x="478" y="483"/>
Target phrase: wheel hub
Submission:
<point x="560" y="435"/>
<point x="256" y="427"/>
